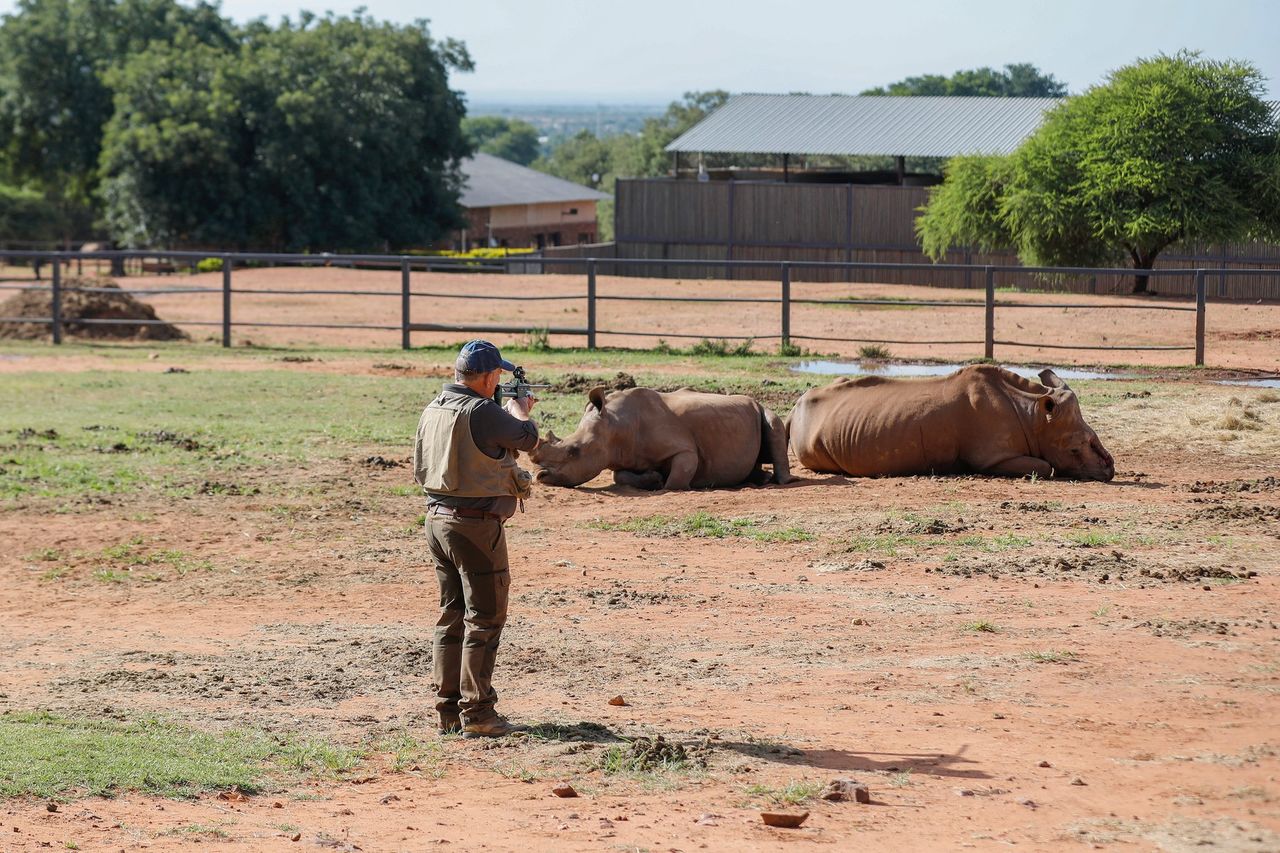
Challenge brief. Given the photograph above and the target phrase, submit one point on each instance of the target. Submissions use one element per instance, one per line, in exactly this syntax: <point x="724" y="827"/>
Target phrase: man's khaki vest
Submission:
<point x="447" y="461"/>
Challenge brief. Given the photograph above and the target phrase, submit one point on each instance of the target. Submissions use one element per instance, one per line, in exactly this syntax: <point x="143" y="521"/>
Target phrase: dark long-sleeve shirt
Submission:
<point x="494" y="431"/>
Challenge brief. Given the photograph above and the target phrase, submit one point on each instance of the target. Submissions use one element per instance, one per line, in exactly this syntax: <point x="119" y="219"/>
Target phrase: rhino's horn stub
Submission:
<point x="596" y="396"/>
<point x="1049" y="379"/>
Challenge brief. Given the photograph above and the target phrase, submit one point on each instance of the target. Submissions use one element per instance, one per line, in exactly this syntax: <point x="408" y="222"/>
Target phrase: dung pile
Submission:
<point x="78" y="305"/>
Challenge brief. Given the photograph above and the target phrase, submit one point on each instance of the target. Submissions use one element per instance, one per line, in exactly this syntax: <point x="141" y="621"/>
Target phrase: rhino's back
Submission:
<point x="726" y="429"/>
<point x="875" y="426"/>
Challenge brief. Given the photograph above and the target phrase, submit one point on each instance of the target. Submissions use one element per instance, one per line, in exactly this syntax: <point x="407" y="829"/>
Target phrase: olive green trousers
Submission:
<point x="470" y="556"/>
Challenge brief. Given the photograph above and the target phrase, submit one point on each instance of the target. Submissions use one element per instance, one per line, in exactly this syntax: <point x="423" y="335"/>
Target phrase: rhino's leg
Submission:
<point x="1019" y="466"/>
<point x="774" y="435"/>
<point x="683" y="466"/>
<point x="648" y="480"/>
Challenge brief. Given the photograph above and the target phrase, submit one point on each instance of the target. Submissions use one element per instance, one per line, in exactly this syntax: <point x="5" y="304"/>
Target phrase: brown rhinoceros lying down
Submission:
<point x="674" y="440"/>
<point x="980" y="419"/>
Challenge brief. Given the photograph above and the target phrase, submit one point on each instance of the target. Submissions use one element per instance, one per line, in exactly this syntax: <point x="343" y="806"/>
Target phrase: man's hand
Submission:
<point x="520" y="407"/>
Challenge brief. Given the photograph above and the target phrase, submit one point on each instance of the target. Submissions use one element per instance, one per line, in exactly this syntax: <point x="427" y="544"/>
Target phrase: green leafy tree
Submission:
<point x="1021" y="80"/>
<point x="510" y="139"/>
<point x="1169" y="149"/>
<point x="582" y="158"/>
<point x="645" y="155"/>
<point x="54" y="99"/>
<point x="28" y="215"/>
<point x="329" y="133"/>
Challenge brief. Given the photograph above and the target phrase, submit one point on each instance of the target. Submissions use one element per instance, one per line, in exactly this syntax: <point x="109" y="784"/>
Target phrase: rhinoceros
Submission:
<point x="980" y="419"/>
<point x="675" y="440"/>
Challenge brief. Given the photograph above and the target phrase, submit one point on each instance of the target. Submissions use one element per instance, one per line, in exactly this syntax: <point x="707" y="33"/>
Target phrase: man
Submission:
<point x="465" y="462"/>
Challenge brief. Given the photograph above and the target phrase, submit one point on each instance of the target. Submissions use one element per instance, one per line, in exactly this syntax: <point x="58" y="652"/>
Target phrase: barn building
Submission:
<point x="784" y="178"/>
<point x="509" y="205"/>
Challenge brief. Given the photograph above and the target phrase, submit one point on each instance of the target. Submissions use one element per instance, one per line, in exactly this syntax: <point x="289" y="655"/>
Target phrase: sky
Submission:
<point x="577" y="51"/>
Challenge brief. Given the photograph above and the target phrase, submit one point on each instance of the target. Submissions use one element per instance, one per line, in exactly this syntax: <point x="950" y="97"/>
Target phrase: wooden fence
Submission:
<point x="848" y="223"/>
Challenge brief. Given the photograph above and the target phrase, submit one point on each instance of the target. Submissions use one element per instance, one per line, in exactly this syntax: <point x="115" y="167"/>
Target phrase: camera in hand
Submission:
<point x="517" y="389"/>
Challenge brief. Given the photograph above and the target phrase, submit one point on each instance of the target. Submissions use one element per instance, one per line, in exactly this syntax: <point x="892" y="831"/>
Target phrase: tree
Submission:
<point x="583" y="159"/>
<point x="28" y="215"/>
<point x="1169" y="149"/>
<point x="645" y="155"/>
<point x="54" y="100"/>
<point x="1021" y="80"/>
<point x="329" y="133"/>
<point x="510" y="139"/>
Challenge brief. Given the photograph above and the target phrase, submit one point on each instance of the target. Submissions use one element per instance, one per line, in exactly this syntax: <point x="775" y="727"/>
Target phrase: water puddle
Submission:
<point x="872" y="368"/>
<point x="1272" y="382"/>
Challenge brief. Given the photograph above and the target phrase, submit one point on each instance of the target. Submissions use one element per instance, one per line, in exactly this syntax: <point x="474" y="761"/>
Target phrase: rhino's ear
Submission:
<point x="550" y="437"/>
<point x="1046" y="405"/>
<point x="1049" y="379"/>
<point x="596" y="396"/>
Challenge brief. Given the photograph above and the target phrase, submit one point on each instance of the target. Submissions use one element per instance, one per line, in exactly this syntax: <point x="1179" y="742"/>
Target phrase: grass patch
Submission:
<point x="900" y="779"/>
<point x="704" y="525"/>
<point x="1095" y="539"/>
<point x="47" y="756"/>
<point x="313" y="756"/>
<point x="410" y="754"/>
<point x="1052" y="656"/>
<point x="884" y="543"/>
<point x="720" y="347"/>
<point x="996" y="544"/>
<point x="874" y="352"/>
<point x="794" y="793"/>
<point x="982" y="627"/>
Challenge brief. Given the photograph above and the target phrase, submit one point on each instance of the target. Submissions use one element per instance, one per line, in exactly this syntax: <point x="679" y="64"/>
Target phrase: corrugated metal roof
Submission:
<point x="849" y="125"/>
<point x="494" y="182"/>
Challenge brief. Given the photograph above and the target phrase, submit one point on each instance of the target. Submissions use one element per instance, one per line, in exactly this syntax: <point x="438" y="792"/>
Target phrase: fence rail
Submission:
<point x="784" y="271"/>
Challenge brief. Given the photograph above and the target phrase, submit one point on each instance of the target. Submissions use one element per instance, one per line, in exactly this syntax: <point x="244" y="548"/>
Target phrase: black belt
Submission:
<point x="461" y="512"/>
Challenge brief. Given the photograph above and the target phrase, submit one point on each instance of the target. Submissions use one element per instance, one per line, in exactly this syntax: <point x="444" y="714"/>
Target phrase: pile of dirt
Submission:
<point x="576" y="382"/>
<point x="78" y="305"/>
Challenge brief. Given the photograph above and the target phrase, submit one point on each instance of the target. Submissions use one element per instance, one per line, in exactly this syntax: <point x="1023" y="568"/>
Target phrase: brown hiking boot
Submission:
<point x="450" y="723"/>
<point x="495" y="726"/>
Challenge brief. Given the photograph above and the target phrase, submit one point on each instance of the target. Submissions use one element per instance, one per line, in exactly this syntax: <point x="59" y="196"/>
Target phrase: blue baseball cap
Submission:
<point x="481" y="357"/>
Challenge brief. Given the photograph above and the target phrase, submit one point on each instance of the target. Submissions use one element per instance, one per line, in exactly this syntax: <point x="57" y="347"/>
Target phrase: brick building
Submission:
<point x="507" y="204"/>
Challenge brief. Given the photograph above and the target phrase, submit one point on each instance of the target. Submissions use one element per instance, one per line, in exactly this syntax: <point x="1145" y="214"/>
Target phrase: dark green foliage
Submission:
<point x="331" y="133"/>
<point x="28" y="215"/>
<point x="966" y="209"/>
<point x="510" y="139"/>
<point x="1022" y="80"/>
<point x="1169" y="149"/>
<point x="53" y="98"/>
<point x="177" y="127"/>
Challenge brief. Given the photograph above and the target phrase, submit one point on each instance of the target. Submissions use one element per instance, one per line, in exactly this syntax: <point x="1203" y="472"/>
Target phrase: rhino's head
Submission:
<point x="1066" y="442"/>
<point x="584" y="454"/>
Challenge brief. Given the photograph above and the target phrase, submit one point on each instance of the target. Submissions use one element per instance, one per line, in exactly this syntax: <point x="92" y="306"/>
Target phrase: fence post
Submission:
<point x="786" y="305"/>
<point x="591" y="303"/>
<point x="226" y="300"/>
<point x="404" y="303"/>
<point x="990" y="349"/>
<point x="1199" y="318"/>
<point x="55" y="303"/>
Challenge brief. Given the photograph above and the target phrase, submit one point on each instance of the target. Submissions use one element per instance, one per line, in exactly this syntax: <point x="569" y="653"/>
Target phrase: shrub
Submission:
<point x="209" y="265"/>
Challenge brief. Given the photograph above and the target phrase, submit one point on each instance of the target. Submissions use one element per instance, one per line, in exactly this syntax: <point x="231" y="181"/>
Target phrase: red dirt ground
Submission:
<point x="1110" y="704"/>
